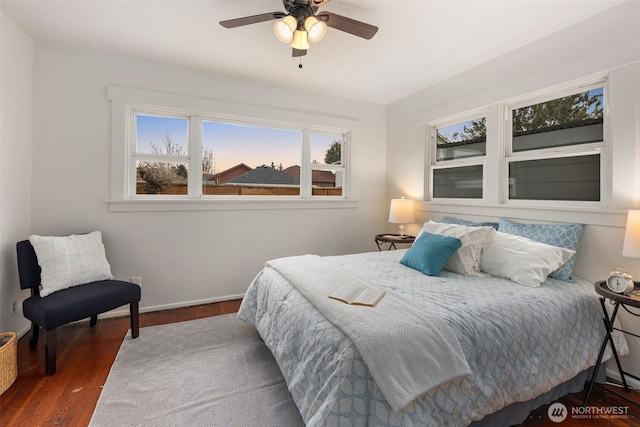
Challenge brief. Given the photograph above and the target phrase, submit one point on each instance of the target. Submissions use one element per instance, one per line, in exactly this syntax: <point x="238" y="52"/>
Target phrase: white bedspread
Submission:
<point x="519" y="341"/>
<point x="408" y="350"/>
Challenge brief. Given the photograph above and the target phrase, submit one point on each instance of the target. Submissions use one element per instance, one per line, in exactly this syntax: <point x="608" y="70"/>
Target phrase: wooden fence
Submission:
<point x="242" y="190"/>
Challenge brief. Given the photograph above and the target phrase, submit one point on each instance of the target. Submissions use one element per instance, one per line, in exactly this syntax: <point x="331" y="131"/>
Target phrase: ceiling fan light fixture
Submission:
<point x="299" y="24"/>
<point x="316" y="29"/>
<point x="285" y="28"/>
<point x="300" y="40"/>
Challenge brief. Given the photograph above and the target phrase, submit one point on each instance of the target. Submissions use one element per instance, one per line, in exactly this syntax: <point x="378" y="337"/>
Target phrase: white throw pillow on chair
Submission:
<point x="70" y="260"/>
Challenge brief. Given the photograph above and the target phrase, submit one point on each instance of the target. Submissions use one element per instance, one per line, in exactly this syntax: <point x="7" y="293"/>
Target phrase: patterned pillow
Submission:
<point x="458" y="221"/>
<point x="466" y="260"/>
<point x="561" y="235"/>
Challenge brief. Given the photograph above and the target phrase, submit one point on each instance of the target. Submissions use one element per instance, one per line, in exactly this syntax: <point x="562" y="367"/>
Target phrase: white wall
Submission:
<point x="190" y="256"/>
<point x="16" y="58"/>
<point x="574" y="53"/>
<point x="55" y="162"/>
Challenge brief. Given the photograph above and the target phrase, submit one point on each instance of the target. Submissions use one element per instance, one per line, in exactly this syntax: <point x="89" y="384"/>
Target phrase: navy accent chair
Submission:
<point x="69" y="305"/>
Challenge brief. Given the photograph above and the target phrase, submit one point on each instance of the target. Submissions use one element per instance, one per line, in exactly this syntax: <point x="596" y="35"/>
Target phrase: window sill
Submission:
<point x="157" y="205"/>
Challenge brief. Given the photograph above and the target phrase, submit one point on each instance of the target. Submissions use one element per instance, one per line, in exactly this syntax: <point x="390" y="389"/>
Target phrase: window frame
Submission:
<point x="435" y="164"/>
<point x="135" y="156"/>
<point x="243" y="122"/>
<point x="499" y="152"/>
<point x="601" y="148"/>
<point x="126" y="103"/>
<point x="555" y="203"/>
<point x="342" y="167"/>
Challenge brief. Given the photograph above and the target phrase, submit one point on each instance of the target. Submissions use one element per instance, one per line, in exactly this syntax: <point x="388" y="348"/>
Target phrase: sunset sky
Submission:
<point x="233" y="144"/>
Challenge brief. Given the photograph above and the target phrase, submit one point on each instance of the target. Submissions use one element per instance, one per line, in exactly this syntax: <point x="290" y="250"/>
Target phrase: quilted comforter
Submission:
<point x="520" y="342"/>
<point x="407" y="351"/>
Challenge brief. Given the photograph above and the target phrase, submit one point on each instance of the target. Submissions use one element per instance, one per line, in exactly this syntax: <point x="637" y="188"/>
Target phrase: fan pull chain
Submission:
<point x="300" y="65"/>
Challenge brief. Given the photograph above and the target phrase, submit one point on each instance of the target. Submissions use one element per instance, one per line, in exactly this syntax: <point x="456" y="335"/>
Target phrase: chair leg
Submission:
<point x="50" y="350"/>
<point x="135" y="319"/>
<point x="93" y="321"/>
<point x="35" y="333"/>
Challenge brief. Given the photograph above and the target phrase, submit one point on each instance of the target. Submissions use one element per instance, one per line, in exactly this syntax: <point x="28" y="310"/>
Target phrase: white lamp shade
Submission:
<point x="402" y="211"/>
<point x="631" y="247"/>
<point x="315" y="28"/>
<point x="284" y="28"/>
<point x="300" y="41"/>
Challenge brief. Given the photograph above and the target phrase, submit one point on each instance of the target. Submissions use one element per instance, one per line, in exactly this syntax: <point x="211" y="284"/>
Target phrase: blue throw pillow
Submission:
<point x="430" y="252"/>
<point x="561" y="235"/>
<point x="458" y="221"/>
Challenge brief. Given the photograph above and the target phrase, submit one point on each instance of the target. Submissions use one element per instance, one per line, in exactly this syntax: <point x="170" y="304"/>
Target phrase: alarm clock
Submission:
<point x="620" y="281"/>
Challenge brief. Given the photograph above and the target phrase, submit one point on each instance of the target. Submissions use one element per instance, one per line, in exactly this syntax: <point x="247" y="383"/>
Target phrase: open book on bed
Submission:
<point x="358" y="296"/>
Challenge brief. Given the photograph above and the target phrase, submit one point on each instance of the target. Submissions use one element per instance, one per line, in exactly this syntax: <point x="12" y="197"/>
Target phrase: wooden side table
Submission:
<point x="618" y="300"/>
<point x="392" y="239"/>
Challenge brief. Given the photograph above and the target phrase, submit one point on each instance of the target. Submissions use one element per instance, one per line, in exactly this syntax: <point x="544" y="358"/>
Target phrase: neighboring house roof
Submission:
<point x="317" y="176"/>
<point x="566" y="125"/>
<point x="227" y="174"/>
<point x="445" y="143"/>
<point x="264" y="175"/>
<point x="294" y="171"/>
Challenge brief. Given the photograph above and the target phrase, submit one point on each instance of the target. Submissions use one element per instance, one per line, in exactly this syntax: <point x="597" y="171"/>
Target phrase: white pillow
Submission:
<point x="474" y="240"/>
<point x="428" y="227"/>
<point x="70" y="261"/>
<point x="522" y="260"/>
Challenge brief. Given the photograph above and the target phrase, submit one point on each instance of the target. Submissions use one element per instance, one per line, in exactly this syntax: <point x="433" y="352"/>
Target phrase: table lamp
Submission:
<point x="631" y="246"/>
<point x="402" y="212"/>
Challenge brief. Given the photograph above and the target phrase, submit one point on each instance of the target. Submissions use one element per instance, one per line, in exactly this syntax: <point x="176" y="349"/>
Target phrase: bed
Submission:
<point x="525" y="346"/>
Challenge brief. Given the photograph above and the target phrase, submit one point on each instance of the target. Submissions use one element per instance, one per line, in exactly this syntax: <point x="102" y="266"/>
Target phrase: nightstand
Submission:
<point x="392" y="239"/>
<point x="617" y="300"/>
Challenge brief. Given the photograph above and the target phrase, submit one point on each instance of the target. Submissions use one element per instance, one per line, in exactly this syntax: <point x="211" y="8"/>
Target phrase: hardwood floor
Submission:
<point x="600" y="401"/>
<point x="85" y="356"/>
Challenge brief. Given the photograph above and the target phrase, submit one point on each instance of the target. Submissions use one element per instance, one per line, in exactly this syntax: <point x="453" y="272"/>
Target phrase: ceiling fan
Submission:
<point x="301" y="25"/>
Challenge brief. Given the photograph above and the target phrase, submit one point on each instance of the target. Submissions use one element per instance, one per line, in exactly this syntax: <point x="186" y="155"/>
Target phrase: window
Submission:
<point x="468" y="139"/>
<point x="556" y="148"/>
<point x="327" y="164"/>
<point x="548" y="148"/>
<point x="195" y="156"/>
<point x="575" y="178"/>
<point x="460" y="148"/>
<point x="569" y="120"/>
<point x="161" y="155"/>
<point x="243" y="160"/>
<point x="464" y="182"/>
<point x="172" y="152"/>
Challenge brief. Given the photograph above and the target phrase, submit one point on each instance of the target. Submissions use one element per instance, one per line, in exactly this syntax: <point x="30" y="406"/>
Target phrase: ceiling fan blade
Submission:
<point x="298" y="52"/>
<point x="253" y="19"/>
<point x="348" y="25"/>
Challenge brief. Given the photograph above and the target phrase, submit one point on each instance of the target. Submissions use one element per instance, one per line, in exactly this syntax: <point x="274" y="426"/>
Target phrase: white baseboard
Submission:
<point x="23" y="332"/>
<point x="124" y="310"/>
<point x="631" y="382"/>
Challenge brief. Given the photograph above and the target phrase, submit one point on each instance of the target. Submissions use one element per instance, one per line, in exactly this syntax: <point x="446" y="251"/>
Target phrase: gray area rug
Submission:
<point x="207" y="372"/>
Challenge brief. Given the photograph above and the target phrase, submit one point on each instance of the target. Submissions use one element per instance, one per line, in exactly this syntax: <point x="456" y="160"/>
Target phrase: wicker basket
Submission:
<point x="8" y="361"/>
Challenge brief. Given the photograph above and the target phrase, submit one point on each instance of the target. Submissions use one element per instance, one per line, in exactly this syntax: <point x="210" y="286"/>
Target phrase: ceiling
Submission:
<point x="419" y="43"/>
